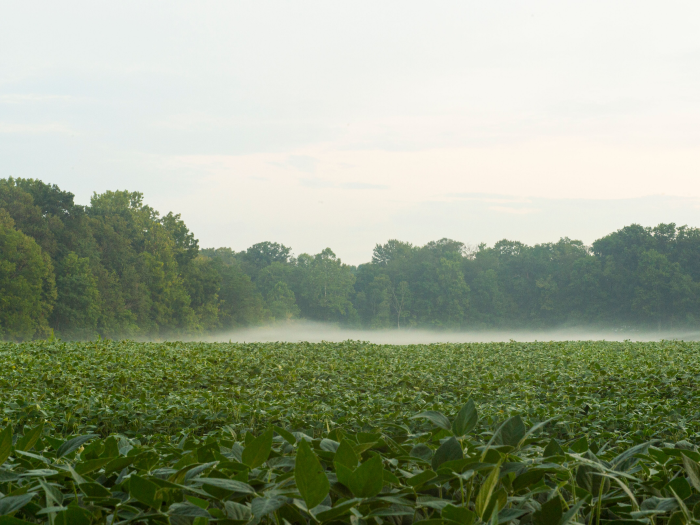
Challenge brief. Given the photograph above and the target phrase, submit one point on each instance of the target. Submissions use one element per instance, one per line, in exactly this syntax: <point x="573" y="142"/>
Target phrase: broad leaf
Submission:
<point x="187" y="510"/>
<point x="310" y="476"/>
<point x="692" y="468"/>
<point x="73" y="444"/>
<point x="346" y="456"/>
<point x="30" y="438"/>
<point x="237" y="512"/>
<point x="5" y="444"/>
<point x="73" y="516"/>
<point x="144" y="491"/>
<point x="485" y="491"/>
<point x="550" y="512"/>
<point x="553" y="449"/>
<point x="460" y="515"/>
<point x="421" y="478"/>
<point x="10" y="504"/>
<point x="258" y="450"/>
<point x="465" y="420"/>
<point x="228" y="484"/>
<point x="437" y="418"/>
<point x="337" y="511"/>
<point x="368" y="479"/>
<point x="511" y="432"/>
<point x="450" y="450"/>
<point x="263" y="506"/>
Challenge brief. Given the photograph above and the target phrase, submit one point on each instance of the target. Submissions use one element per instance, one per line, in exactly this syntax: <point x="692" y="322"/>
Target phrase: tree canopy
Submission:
<point x="118" y="268"/>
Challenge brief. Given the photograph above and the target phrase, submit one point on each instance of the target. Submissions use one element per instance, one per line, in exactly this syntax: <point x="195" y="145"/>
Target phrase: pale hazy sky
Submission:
<point x="344" y="124"/>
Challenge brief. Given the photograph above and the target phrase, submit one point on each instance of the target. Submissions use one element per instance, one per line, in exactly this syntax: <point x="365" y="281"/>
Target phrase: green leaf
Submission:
<point x="5" y="444"/>
<point x="187" y="510"/>
<point x="73" y="444"/>
<point x="421" y="478"/>
<point x="310" y="476"/>
<point x="91" y="465"/>
<point x="552" y="449"/>
<point x="73" y="516"/>
<point x="76" y="477"/>
<point x="30" y="438"/>
<point x="328" y="445"/>
<point x="437" y="418"/>
<point x="202" y="504"/>
<point x="550" y="512"/>
<point x="465" y="420"/>
<point x="6" y="475"/>
<point x="52" y="493"/>
<point x="580" y="445"/>
<point x="485" y="492"/>
<point x="228" y="484"/>
<point x="346" y="456"/>
<point x="498" y="500"/>
<point x="53" y="442"/>
<point x="11" y="520"/>
<point x="368" y="479"/>
<point x="680" y="486"/>
<point x="628" y="458"/>
<point x="264" y="506"/>
<point x="422" y="451"/>
<point x="144" y="491"/>
<point x="508" y="515"/>
<point x="527" y="478"/>
<point x="571" y="513"/>
<point x="286" y="435"/>
<point x="337" y="511"/>
<point x="195" y="471"/>
<point x="692" y="468"/>
<point x="10" y="504"/>
<point x="344" y="474"/>
<point x="511" y="432"/>
<point x="94" y="490"/>
<point x="393" y="510"/>
<point x="117" y="464"/>
<point x="460" y="515"/>
<point x="237" y="512"/>
<point x="676" y="519"/>
<point x="258" y="450"/>
<point x="450" y="450"/>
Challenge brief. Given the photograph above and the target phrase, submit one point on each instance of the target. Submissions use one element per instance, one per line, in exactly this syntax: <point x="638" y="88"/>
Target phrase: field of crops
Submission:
<point x="573" y="432"/>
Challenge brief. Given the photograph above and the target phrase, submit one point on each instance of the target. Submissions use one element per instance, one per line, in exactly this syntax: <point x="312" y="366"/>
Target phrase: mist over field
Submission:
<point x="309" y="331"/>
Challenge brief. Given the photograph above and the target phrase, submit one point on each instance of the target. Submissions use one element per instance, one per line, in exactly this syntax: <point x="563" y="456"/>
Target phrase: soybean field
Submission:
<point x="566" y="432"/>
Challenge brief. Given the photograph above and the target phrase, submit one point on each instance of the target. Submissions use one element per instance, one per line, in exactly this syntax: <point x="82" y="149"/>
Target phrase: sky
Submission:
<point x="346" y="124"/>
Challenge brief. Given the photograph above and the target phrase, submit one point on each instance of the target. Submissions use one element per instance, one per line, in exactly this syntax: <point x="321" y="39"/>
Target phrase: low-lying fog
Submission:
<point x="316" y="332"/>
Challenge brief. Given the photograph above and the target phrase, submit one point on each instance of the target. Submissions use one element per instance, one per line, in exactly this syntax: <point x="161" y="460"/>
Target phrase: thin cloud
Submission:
<point x="21" y="98"/>
<point x="363" y="186"/>
<point x="32" y="129"/>
<point x="317" y="183"/>
<point x="321" y="184"/>
<point x="490" y="199"/>
<point x="513" y="211"/>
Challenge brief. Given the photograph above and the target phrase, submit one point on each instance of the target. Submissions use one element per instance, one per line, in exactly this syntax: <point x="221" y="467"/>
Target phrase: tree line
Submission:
<point x="117" y="268"/>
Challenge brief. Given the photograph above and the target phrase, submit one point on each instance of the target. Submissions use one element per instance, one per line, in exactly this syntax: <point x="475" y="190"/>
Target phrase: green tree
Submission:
<point x="77" y="309"/>
<point x="240" y="303"/>
<point x="488" y="304"/>
<point x="399" y="299"/>
<point x="282" y="303"/>
<point x="664" y="293"/>
<point x="327" y="287"/>
<point x="27" y="286"/>
<point x="262" y="255"/>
